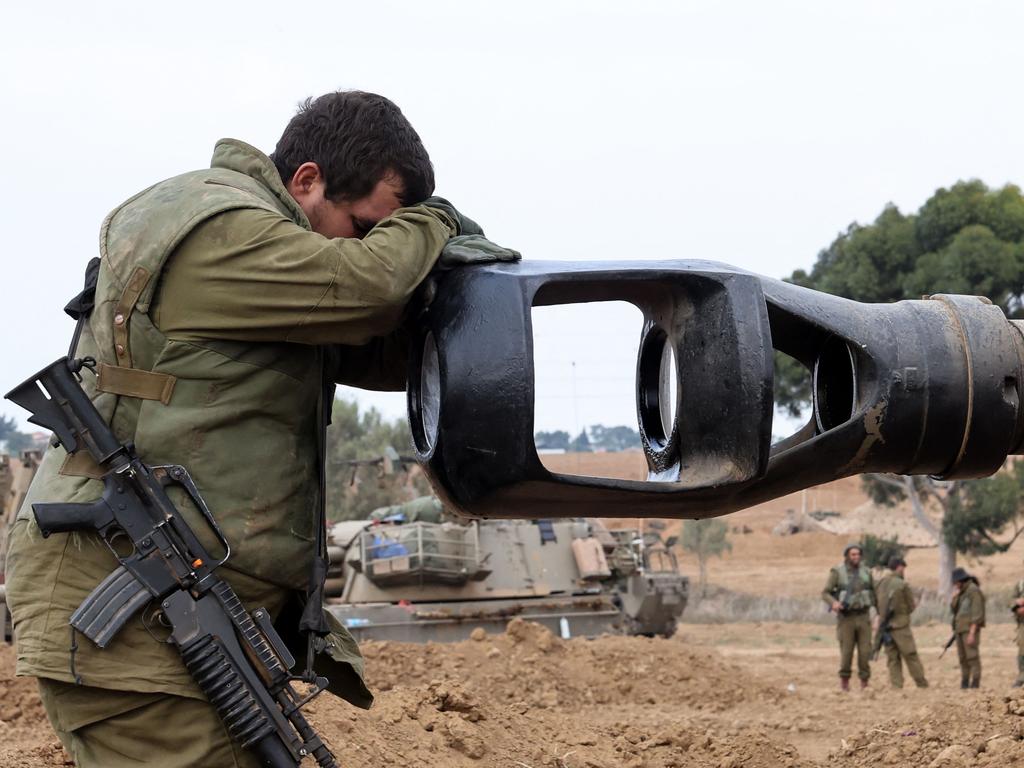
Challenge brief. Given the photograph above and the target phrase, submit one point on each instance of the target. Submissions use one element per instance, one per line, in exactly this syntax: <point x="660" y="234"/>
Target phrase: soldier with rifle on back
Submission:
<point x="895" y="603"/>
<point x="226" y="305"/>
<point x="849" y="593"/>
<point x="968" y="609"/>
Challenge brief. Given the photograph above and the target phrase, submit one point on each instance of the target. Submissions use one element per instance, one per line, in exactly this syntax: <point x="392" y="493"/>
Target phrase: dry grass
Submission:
<point x="724" y="606"/>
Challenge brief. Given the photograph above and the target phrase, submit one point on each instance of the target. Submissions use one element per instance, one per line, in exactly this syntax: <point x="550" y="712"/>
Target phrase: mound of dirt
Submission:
<point x="447" y="724"/>
<point x="529" y="665"/>
<point x="26" y="739"/>
<point x="974" y="730"/>
<point x="521" y="698"/>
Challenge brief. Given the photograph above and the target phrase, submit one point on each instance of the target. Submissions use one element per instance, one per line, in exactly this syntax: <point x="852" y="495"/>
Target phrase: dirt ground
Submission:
<point x="714" y="696"/>
<point x="731" y="695"/>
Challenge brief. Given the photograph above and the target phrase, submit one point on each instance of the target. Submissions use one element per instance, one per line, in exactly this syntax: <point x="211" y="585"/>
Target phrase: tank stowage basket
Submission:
<point x="420" y="552"/>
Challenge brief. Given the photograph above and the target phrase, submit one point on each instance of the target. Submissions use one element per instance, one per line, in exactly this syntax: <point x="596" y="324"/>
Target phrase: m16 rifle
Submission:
<point x="236" y="657"/>
<point x="843" y="598"/>
<point x="948" y="645"/>
<point x="883" y="636"/>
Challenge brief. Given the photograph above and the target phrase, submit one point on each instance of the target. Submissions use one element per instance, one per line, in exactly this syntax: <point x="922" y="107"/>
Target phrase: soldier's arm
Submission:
<point x="828" y="593"/>
<point x="881" y="598"/>
<point x="909" y="597"/>
<point x="977" y="609"/>
<point x="381" y="364"/>
<point x="254" y="275"/>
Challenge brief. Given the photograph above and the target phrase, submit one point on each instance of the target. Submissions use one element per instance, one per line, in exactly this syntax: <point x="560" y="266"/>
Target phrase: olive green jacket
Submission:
<point x="859" y="586"/>
<point x="893" y="593"/>
<point x="968" y="607"/>
<point x="1018" y="592"/>
<point x="220" y="325"/>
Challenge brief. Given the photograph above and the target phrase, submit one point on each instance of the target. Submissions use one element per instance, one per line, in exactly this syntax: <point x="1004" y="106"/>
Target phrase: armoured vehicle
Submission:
<point x="409" y="574"/>
<point x="16" y="472"/>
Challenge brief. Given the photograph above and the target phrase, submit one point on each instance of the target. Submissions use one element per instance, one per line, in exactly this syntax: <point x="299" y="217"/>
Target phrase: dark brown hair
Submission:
<point x="357" y="139"/>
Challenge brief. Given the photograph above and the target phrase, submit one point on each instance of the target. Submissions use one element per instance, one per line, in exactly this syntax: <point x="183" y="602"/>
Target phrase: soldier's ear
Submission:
<point x="304" y="181"/>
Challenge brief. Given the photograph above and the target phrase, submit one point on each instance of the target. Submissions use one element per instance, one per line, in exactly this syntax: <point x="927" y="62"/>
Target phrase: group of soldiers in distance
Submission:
<point x="851" y="592"/>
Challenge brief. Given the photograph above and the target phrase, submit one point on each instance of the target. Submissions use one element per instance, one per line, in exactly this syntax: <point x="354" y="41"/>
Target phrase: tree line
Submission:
<point x="595" y="438"/>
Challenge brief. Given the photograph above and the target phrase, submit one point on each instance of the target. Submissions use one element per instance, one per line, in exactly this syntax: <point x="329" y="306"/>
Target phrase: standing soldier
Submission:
<point x="1018" y="613"/>
<point x="895" y="603"/>
<point x="968" y="608"/>
<point x="849" y="593"/>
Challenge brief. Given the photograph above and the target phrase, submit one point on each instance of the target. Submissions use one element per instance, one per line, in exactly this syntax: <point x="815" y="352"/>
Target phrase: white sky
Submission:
<point x="745" y="132"/>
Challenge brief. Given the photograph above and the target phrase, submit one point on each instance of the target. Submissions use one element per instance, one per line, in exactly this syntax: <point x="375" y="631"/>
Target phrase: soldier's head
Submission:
<point x="852" y="554"/>
<point x="351" y="159"/>
<point x="897" y="565"/>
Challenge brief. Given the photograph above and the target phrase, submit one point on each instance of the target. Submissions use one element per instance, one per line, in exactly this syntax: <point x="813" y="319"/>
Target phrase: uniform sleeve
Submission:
<point x="254" y="275"/>
<point x="882" y="597"/>
<point x="828" y="593"/>
<point x="381" y="364"/>
<point x="977" y="609"/>
<point x="908" y="596"/>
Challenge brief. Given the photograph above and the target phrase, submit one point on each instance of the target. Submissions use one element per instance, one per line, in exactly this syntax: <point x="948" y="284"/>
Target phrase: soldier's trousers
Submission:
<point x="902" y="650"/>
<point x="970" y="658"/>
<point x="854" y="631"/>
<point x="103" y="728"/>
<point x="1020" y="668"/>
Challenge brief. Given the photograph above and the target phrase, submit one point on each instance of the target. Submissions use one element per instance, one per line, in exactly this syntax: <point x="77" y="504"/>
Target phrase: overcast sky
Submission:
<point x="745" y="132"/>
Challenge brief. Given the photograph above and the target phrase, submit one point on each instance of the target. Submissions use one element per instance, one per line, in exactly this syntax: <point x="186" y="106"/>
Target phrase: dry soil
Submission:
<point x="754" y="695"/>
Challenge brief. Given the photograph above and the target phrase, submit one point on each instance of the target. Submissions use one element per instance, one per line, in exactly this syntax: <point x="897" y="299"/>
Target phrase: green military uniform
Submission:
<point x="893" y="594"/>
<point x="968" y="608"/>
<point x="853" y="626"/>
<point x="1018" y="593"/>
<point x="221" y="323"/>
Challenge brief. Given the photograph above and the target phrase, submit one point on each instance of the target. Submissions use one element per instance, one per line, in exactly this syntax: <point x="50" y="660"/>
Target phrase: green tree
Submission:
<point x="877" y="551"/>
<point x="706" y="538"/>
<point x="983" y="512"/>
<point x="557" y="440"/>
<point x="581" y="444"/>
<point x="12" y="440"/>
<point x="362" y="473"/>
<point x="619" y="438"/>
<point x="965" y="239"/>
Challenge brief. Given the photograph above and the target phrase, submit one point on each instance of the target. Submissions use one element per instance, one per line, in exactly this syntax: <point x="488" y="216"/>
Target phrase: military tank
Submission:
<point x="413" y="574"/>
<point x="16" y="472"/>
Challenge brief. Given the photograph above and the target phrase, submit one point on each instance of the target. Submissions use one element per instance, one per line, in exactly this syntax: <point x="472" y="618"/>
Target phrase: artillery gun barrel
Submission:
<point x="915" y="387"/>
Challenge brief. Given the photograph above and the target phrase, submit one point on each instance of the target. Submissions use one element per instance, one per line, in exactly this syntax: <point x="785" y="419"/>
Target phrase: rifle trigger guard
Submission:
<point x="175" y="474"/>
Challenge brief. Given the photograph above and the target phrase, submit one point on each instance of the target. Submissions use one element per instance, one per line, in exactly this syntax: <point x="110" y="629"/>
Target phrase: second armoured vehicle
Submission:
<point x="409" y="574"/>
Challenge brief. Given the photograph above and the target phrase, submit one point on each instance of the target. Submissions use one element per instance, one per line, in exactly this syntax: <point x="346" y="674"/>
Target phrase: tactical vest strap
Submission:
<point x="81" y="464"/>
<point x="122" y="314"/>
<point x="134" y="382"/>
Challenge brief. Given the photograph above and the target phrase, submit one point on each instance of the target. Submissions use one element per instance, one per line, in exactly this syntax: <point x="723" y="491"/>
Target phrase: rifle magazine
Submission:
<point x="109" y="606"/>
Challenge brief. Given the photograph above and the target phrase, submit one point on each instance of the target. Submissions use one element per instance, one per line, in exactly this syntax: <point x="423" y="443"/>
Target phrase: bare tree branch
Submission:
<point x="910" y="488"/>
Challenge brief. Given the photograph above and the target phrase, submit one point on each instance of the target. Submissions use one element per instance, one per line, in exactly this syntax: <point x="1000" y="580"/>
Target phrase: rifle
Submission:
<point x="237" y="658"/>
<point x="948" y="645"/>
<point x="843" y="598"/>
<point x="884" y="636"/>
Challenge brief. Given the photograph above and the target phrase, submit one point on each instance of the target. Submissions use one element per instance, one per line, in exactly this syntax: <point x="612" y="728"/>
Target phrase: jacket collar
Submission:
<point x="235" y="155"/>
